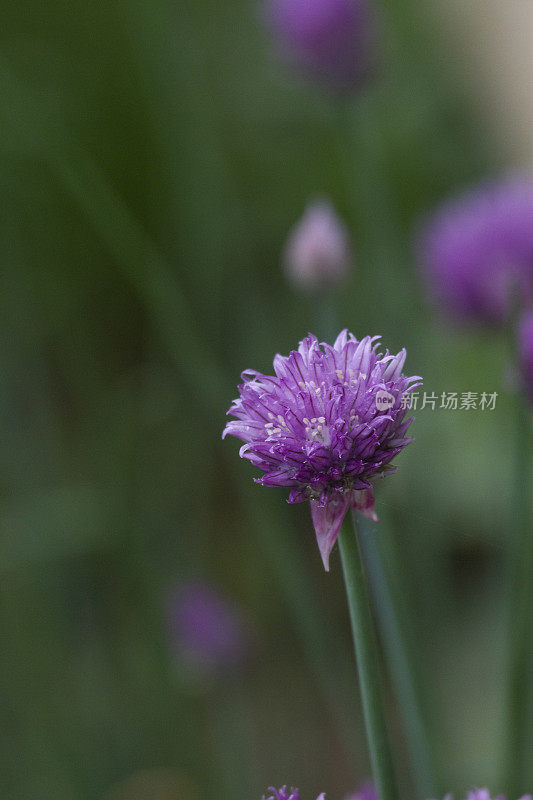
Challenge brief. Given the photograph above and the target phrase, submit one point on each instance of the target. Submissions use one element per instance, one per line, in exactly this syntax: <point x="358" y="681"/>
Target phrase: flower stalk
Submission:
<point x="400" y="662"/>
<point x="367" y="661"/>
<point x="521" y="601"/>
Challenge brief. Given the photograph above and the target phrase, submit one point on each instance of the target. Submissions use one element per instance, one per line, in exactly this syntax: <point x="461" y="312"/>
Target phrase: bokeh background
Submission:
<point x="154" y="157"/>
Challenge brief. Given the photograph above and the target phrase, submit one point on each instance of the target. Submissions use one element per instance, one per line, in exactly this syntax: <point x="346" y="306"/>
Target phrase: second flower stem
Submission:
<point x="401" y="661"/>
<point x="367" y="662"/>
<point x="521" y="599"/>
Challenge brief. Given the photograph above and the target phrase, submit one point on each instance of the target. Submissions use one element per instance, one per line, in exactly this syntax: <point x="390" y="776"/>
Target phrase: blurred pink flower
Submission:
<point x="318" y="253"/>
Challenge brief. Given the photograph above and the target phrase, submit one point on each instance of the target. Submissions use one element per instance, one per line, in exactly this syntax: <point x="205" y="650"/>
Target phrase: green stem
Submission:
<point x="231" y="728"/>
<point x="521" y="602"/>
<point x="395" y="641"/>
<point x="367" y="662"/>
<point x="401" y="662"/>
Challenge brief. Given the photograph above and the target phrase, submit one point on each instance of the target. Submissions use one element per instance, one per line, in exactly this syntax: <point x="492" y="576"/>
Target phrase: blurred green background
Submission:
<point x="154" y="157"/>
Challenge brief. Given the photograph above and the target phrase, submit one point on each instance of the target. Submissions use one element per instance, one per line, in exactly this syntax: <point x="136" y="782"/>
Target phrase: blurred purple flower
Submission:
<point x="331" y="41"/>
<point x="525" y="352"/>
<point x="207" y="631"/>
<point x="484" y="794"/>
<point x="477" y="251"/>
<point x="366" y="791"/>
<point x="318" y="252"/>
<point x="286" y="794"/>
<point x="326" y="424"/>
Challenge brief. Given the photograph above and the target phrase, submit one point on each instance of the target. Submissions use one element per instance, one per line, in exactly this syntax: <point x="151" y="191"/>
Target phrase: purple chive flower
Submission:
<point x="525" y="351"/>
<point x="207" y="631"/>
<point x="331" y="41"/>
<point x="286" y="794"/>
<point x="365" y="792"/>
<point x="326" y="425"/>
<point x="484" y="794"/>
<point x="318" y="252"/>
<point x="477" y="251"/>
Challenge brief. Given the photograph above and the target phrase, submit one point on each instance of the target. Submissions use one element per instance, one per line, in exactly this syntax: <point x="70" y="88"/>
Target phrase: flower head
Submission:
<point x="525" y="352"/>
<point x="477" y="251"/>
<point x="318" y="253"/>
<point x="286" y="794"/>
<point x="330" y="41"/>
<point x="208" y="632"/>
<point x="326" y="425"/>
<point x="484" y="794"/>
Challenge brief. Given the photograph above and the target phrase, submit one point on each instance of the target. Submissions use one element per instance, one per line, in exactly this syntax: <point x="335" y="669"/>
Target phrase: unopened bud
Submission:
<point x="318" y="253"/>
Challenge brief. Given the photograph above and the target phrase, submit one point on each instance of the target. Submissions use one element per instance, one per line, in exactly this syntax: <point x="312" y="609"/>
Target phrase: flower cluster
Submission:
<point x="477" y="251"/>
<point x="326" y="425"/>
<point x="368" y="792"/>
<point x="484" y="794"/>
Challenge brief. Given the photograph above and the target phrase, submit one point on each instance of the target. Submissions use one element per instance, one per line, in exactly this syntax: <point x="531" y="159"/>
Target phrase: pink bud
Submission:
<point x="318" y="252"/>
